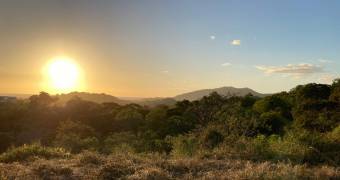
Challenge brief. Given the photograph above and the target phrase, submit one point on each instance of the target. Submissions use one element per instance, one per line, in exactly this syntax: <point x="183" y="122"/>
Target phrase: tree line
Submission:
<point x="302" y="124"/>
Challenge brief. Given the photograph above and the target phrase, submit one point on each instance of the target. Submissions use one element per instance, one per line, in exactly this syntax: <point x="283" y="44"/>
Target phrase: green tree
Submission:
<point x="75" y="136"/>
<point x="128" y="119"/>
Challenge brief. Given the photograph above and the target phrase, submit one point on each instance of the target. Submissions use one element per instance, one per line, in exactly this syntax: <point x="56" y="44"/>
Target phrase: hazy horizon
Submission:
<point x="124" y="97"/>
<point x="164" y="48"/>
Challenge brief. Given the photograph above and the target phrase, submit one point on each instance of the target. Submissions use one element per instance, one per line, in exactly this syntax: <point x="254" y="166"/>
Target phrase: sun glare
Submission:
<point x="62" y="75"/>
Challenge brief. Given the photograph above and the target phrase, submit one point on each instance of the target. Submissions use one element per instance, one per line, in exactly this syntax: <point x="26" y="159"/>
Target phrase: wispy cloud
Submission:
<point x="327" y="78"/>
<point x="291" y="69"/>
<point x="325" y="61"/>
<point x="212" y="37"/>
<point x="165" y="72"/>
<point x="236" y="42"/>
<point x="226" y="64"/>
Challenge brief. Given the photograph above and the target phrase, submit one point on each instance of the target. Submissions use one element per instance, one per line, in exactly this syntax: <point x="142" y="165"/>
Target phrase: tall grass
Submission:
<point x="26" y="152"/>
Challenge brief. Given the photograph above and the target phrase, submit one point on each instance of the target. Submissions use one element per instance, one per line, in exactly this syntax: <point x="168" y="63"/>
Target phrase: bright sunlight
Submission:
<point x="62" y="74"/>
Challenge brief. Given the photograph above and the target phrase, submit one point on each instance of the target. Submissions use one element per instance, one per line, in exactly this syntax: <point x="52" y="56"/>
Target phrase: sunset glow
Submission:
<point x="62" y="75"/>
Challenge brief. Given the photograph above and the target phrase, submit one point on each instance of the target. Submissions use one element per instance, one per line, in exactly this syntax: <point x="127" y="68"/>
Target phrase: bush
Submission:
<point x="48" y="170"/>
<point x="5" y="141"/>
<point x="270" y="123"/>
<point x="89" y="157"/>
<point x="262" y="148"/>
<point x="212" y="138"/>
<point x="76" y="144"/>
<point x="120" y="141"/>
<point x="335" y="134"/>
<point x="25" y="152"/>
<point x="115" y="170"/>
<point x="185" y="146"/>
<point x="288" y="148"/>
<point x="152" y="173"/>
<point x="76" y="137"/>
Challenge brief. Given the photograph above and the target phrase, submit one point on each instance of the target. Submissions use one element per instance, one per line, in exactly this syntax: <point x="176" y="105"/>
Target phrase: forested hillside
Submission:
<point x="299" y="127"/>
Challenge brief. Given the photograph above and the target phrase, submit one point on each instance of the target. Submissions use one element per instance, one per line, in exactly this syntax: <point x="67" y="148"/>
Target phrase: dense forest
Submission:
<point x="301" y="126"/>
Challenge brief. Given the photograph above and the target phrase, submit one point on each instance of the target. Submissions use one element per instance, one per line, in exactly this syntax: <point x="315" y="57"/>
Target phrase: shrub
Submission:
<point x="274" y="148"/>
<point x="335" y="134"/>
<point x="115" y="170"/>
<point x="212" y="138"/>
<point x="120" y="141"/>
<point x="185" y="146"/>
<point x="270" y="123"/>
<point x="5" y="141"/>
<point x="76" y="137"/>
<point x="48" y="170"/>
<point x="152" y="173"/>
<point x="90" y="157"/>
<point x="25" y="152"/>
<point x="76" y="144"/>
<point x="288" y="148"/>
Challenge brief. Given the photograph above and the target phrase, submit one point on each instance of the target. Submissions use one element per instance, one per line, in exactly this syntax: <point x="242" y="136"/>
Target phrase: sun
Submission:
<point x="62" y="75"/>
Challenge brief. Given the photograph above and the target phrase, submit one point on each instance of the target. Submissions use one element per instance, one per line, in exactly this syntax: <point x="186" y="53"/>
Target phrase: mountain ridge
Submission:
<point x="191" y="96"/>
<point x="155" y="101"/>
<point x="224" y="91"/>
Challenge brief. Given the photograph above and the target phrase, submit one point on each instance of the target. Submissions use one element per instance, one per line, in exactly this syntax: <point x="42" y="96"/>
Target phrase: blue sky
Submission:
<point x="163" y="48"/>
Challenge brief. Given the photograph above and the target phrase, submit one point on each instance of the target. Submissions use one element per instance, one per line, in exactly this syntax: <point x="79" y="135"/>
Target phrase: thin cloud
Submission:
<point x="327" y="78"/>
<point x="212" y="37"/>
<point x="236" y="42"/>
<point x="226" y="64"/>
<point x="165" y="72"/>
<point x="325" y="61"/>
<point x="292" y="69"/>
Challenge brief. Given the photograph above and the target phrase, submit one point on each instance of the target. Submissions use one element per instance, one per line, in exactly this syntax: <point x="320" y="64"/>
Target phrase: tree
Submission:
<point x="313" y="110"/>
<point x="335" y="95"/>
<point x="312" y="91"/>
<point x="42" y="100"/>
<point x="206" y="108"/>
<point x="128" y="119"/>
<point x="270" y="123"/>
<point x="156" y="119"/>
<point x="76" y="136"/>
<point x="178" y="125"/>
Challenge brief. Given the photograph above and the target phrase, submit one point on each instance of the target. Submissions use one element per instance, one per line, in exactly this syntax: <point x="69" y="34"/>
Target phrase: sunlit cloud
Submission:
<point x="226" y="64"/>
<point x="165" y="72"/>
<point x="292" y="69"/>
<point x="212" y="37"/>
<point x="236" y="42"/>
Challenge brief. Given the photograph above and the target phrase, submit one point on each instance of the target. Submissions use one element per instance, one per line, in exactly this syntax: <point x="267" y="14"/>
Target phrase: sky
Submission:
<point x="150" y="48"/>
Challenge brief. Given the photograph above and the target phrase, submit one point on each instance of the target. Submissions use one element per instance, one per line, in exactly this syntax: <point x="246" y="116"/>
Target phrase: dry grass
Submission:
<point x="89" y="165"/>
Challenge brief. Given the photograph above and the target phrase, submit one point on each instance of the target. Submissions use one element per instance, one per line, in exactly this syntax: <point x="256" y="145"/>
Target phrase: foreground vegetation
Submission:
<point x="91" y="165"/>
<point x="289" y="135"/>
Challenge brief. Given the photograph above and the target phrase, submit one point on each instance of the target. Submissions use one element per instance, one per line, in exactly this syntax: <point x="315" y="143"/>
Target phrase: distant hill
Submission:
<point x="19" y="96"/>
<point x="151" y="102"/>
<point x="224" y="91"/>
<point x="102" y="98"/>
<point x="94" y="97"/>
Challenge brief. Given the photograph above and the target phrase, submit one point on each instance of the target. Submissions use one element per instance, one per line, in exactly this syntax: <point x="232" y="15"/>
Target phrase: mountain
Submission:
<point x="102" y="98"/>
<point x="151" y="102"/>
<point x="94" y="97"/>
<point x="224" y="91"/>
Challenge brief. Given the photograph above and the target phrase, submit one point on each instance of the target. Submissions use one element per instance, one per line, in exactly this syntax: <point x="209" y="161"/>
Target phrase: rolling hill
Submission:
<point x="224" y="91"/>
<point x="94" y="97"/>
<point x="191" y="96"/>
